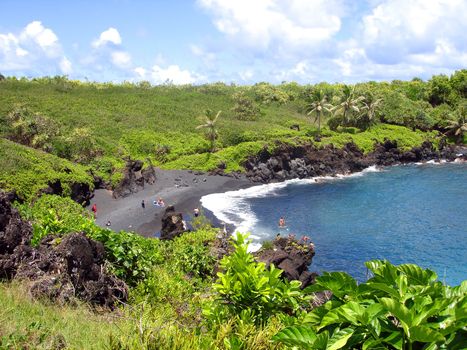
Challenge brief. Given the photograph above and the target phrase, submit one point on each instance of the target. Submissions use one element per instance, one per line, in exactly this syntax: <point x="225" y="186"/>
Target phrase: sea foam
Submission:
<point x="233" y="207"/>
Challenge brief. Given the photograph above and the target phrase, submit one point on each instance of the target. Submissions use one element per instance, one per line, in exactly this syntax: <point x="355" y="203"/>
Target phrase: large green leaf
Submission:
<point x="301" y="336"/>
<point x="416" y="275"/>
<point x="395" y="339"/>
<point x="339" y="338"/>
<point x="424" y="334"/>
<point x="397" y="309"/>
<point x="339" y="283"/>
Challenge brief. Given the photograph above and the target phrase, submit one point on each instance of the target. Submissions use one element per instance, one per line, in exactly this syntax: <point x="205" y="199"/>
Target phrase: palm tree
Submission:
<point x="318" y="107"/>
<point x="369" y="108"/>
<point x="210" y="125"/>
<point x="349" y="104"/>
<point x="458" y="125"/>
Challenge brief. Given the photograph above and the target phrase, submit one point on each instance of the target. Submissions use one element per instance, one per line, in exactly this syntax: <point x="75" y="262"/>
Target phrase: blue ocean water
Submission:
<point x="406" y="214"/>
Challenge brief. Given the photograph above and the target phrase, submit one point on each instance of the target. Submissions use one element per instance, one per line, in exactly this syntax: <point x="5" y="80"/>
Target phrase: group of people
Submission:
<point x="158" y="203"/>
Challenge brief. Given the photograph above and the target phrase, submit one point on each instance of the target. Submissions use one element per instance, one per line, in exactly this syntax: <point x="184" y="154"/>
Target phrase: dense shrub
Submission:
<point x="248" y="290"/>
<point x="131" y="256"/>
<point x="400" y="307"/>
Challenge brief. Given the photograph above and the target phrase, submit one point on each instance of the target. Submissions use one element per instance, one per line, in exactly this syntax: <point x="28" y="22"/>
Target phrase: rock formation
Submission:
<point x="291" y="256"/>
<point x="172" y="224"/>
<point x="305" y="161"/>
<point x="134" y="178"/>
<point x="60" y="268"/>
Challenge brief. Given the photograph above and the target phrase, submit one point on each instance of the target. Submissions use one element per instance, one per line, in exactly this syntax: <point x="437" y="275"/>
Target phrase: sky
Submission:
<point x="233" y="41"/>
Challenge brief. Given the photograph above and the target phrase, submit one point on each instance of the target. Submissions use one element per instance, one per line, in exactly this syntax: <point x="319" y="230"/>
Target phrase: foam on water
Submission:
<point x="233" y="208"/>
<point x="409" y="214"/>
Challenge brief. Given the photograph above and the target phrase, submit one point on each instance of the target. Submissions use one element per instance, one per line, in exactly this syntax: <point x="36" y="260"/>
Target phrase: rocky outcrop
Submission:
<point x="134" y="178"/>
<point x="172" y="224"/>
<point x="61" y="269"/>
<point x="80" y="192"/>
<point x="291" y="256"/>
<point x="306" y="161"/>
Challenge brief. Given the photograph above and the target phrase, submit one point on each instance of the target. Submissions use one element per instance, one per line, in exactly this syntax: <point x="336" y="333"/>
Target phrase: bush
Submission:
<point x="131" y="255"/>
<point x="244" y="108"/>
<point x="248" y="290"/>
<point x="401" y="307"/>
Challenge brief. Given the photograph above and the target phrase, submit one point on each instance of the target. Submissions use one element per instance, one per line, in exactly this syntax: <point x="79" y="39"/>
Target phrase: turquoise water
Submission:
<point x="406" y="214"/>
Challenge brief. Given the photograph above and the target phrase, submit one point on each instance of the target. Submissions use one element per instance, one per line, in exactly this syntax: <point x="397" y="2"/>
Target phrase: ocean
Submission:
<point x="405" y="214"/>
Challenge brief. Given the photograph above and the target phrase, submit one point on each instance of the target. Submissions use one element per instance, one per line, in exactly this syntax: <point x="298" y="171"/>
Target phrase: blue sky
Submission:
<point x="241" y="41"/>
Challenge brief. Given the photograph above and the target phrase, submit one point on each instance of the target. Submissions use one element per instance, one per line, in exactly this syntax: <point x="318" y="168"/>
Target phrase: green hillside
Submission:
<point x="101" y="125"/>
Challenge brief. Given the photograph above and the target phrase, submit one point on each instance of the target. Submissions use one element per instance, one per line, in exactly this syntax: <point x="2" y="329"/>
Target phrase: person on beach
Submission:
<point x="94" y="210"/>
<point x="159" y="202"/>
<point x="196" y="212"/>
<point x="143" y="205"/>
<point x="282" y="222"/>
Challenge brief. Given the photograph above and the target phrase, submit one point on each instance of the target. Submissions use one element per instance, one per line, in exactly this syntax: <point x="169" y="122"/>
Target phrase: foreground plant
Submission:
<point x="249" y="290"/>
<point x="400" y="307"/>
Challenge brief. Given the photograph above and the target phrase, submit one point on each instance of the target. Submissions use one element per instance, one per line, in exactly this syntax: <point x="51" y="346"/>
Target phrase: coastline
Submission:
<point x="181" y="188"/>
<point x="185" y="189"/>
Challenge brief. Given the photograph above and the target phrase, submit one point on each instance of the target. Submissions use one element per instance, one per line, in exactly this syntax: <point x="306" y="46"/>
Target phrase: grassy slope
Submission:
<point x="131" y="121"/>
<point x="28" y="170"/>
<point x="26" y="323"/>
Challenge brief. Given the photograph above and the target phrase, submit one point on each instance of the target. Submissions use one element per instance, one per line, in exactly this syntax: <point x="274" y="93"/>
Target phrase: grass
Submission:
<point x="32" y="324"/>
<point x="27" y="170"/>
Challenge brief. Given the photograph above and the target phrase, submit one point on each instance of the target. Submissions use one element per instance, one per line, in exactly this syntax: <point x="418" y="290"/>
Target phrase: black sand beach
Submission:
<point x="181" y="188"/>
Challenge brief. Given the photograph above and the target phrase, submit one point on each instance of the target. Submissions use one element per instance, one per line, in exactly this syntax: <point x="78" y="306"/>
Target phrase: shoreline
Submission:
<point x="184" y="190"/>
<point x="181" y="188"/>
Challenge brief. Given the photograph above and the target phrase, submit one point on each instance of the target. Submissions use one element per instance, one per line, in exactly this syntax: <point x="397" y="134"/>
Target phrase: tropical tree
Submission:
<point x="318" y="106"/>
<point x="457" y="126"/>
<point x="369" y="109"/>
<point x="349" y="104"/>
<point x="210" y="126"/>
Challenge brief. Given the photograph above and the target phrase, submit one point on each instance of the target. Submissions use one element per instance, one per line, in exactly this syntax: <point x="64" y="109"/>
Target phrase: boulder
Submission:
<point x="172" y="224"/>
<point x="134" y="178"/>
<point x="291" y="256"/>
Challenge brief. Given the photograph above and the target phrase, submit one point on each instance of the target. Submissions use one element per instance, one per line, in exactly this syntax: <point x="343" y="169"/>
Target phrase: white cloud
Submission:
<point x="121" y="59"/>
<point x="276" y="24"/>
<point x="173" y="74"/>
<point x="110" y="35"/>
<point x="36" y="49"/>
<point x="44" y="37"/>
<point x="65" y="65"/>
<point x="396" y="29"/>
<point x="208" y="58"/>
<point x="246" y="75"/>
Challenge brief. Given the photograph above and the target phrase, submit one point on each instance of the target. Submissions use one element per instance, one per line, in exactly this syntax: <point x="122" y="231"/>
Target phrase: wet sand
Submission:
<point x="181" y="188"/>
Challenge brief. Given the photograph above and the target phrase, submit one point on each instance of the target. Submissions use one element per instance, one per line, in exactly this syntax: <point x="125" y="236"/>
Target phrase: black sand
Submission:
<point x="181" y="188"/>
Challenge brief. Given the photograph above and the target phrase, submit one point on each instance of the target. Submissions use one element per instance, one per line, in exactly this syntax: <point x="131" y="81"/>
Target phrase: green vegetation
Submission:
<point x="101" y="125"/>
<point x="57" y="132"/>
<point x="400" y="307"/>
<point x="27" y="170"/>
<point x="176" y="301"/>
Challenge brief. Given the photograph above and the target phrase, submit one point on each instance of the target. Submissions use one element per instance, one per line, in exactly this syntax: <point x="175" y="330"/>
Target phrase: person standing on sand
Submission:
<point x="143" y="205"/>
<point x="94" y="210"/>
<point x="282" y="222"/>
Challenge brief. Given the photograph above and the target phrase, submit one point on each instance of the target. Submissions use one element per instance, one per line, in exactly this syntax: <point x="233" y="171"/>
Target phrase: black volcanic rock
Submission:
<point x="305" y="161"/>
<point x="172" y="224"/>
<point x="134" y="178"/>
<point x="291" y="256"/>
<point x="60" y="269"/>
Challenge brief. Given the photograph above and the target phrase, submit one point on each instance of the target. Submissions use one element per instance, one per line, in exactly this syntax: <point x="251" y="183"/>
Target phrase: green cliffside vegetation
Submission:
<point x="56" y="131"/>
<point x="100" y="125"/>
